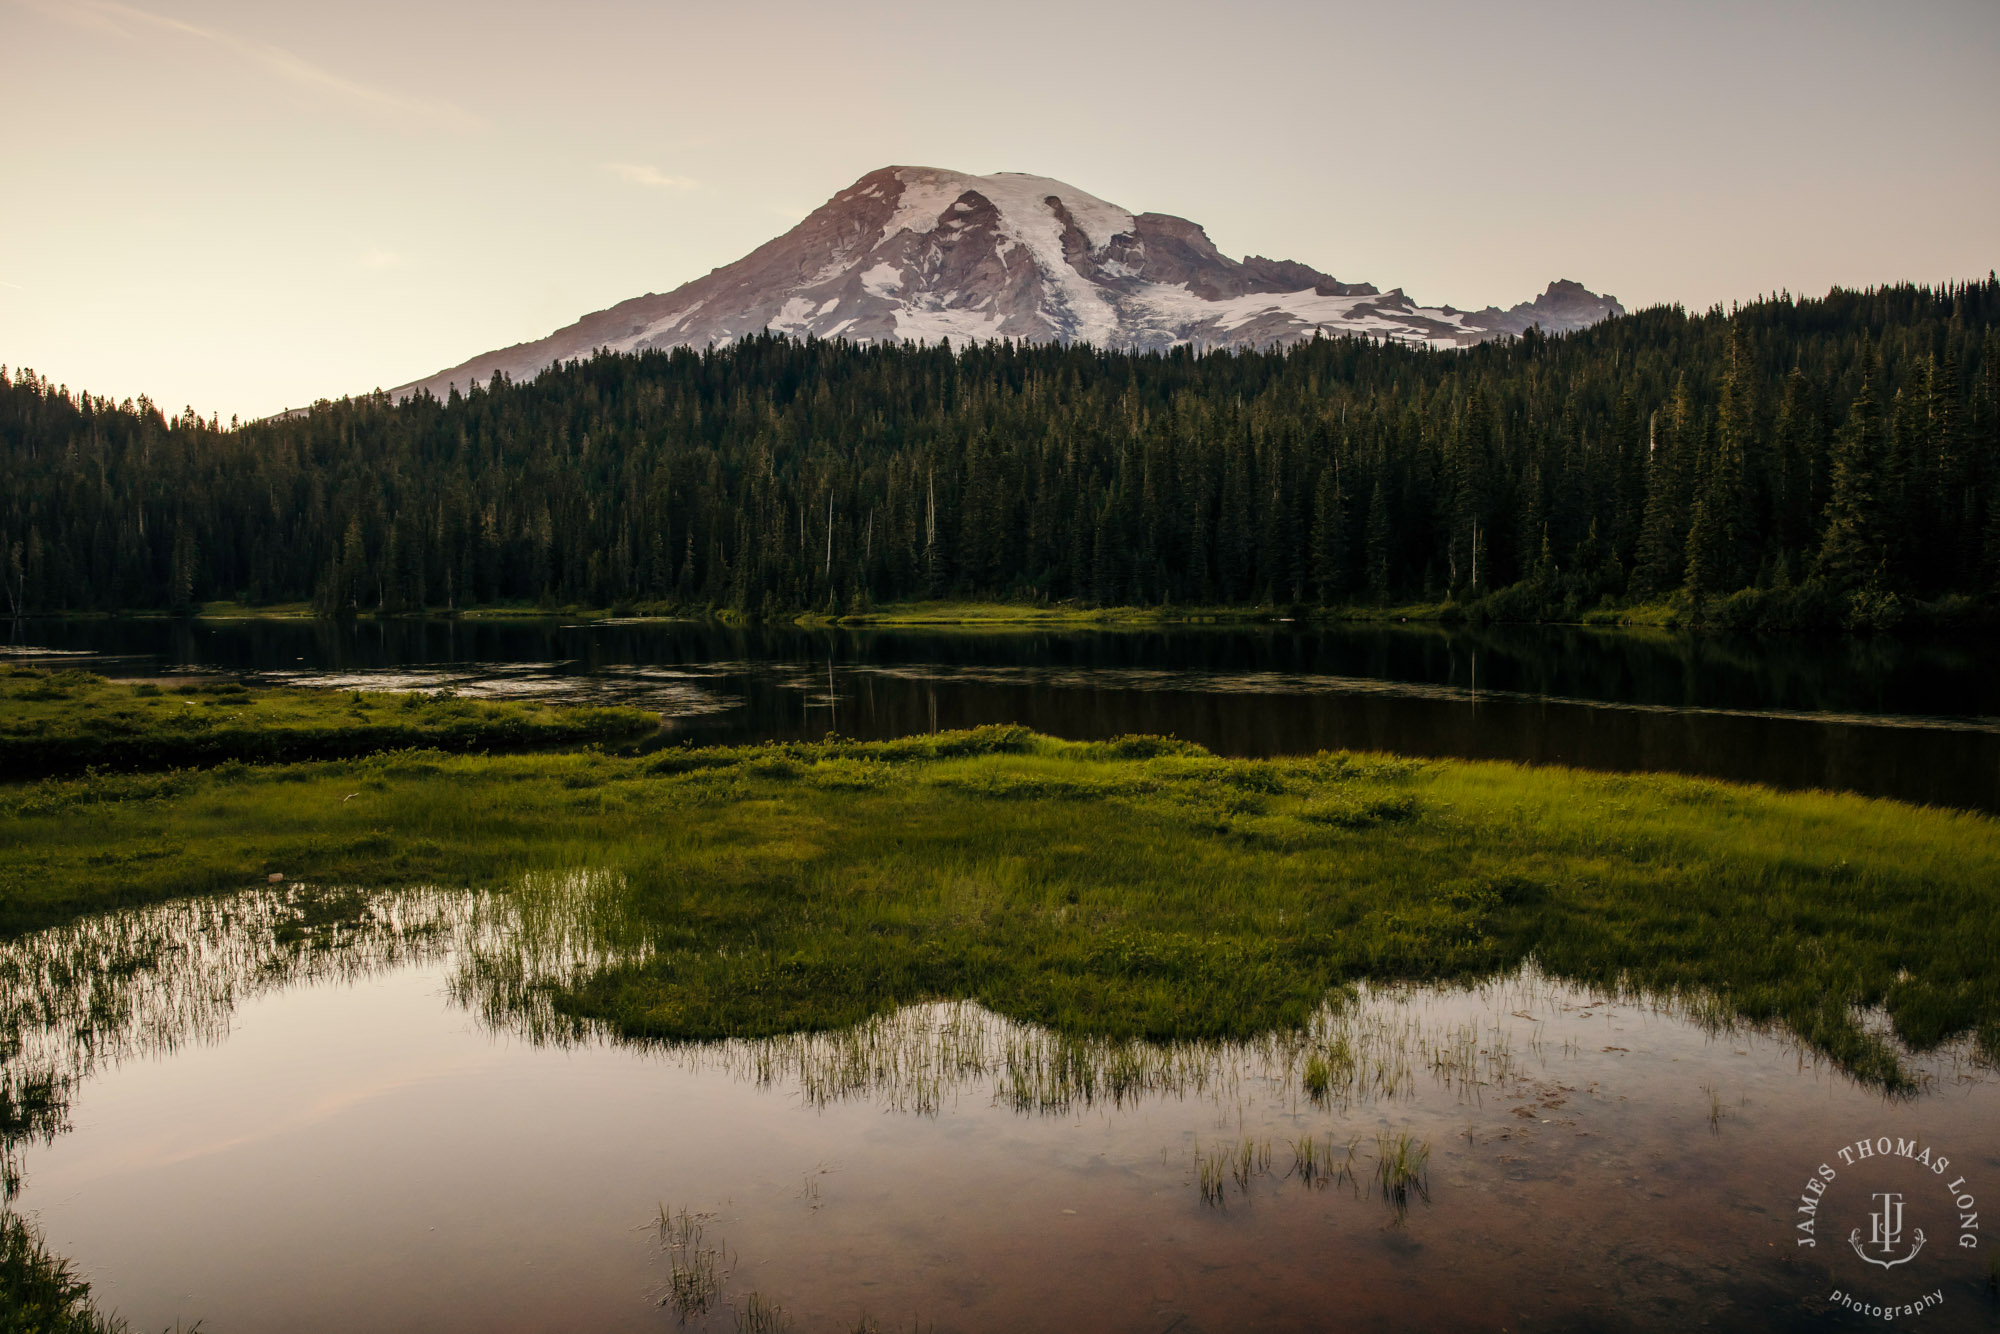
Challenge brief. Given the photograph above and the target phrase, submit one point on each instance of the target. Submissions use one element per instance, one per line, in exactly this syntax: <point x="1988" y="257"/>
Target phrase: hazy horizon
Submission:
<point x="242" y="208"/>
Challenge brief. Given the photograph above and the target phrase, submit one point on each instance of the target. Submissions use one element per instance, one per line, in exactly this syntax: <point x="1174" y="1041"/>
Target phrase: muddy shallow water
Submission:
<point x="268" y="1122"/>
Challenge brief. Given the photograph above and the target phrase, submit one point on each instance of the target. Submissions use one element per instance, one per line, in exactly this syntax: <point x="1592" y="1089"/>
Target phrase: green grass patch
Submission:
<point x="1025" y="615"/>
<point x="1140" y="888"/>
<point x="224" y="609"/>
<point x="68" y="722"/>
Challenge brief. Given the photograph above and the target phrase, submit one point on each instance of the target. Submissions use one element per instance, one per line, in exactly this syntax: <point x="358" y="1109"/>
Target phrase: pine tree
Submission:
<point x="1628" y="431"/>
<point x="1853" y="553"/>
<point x="1715" y="556"/>
<point x="352" y="569"/>
<point x="1796" y="465"/>
<point x="1329" y="536"/>
<point x="1377" y="544"/>
<point x="1662" y="553"/>
<point x="934" y="559"/>
<point x="1952" y="548"/>
<point x="1984" y="467"/>
<point x="1467" y="491"/>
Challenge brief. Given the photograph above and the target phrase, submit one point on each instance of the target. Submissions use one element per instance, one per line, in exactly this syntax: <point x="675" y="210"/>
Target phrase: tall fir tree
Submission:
<point x="1329" y="536"/>
<point x="1715" y="543"/>
<point x="1673" y="435"/>
<point x="1854" y="551"/>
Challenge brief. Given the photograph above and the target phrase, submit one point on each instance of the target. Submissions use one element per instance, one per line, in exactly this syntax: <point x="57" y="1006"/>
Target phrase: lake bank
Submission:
<point x="1809" y="610"/>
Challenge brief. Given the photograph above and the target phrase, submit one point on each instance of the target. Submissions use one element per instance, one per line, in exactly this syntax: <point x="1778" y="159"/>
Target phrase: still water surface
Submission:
<point x="1915" y="721"/>
<point x="389" y="1135"/>
<point x="262" y="1132"/>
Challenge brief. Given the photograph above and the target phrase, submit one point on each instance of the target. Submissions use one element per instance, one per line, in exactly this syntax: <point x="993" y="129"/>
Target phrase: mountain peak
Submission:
<point x="923" y="253"/>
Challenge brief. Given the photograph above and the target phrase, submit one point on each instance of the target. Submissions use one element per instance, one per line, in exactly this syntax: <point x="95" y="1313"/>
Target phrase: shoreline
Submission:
<point x="1947" y="619"/>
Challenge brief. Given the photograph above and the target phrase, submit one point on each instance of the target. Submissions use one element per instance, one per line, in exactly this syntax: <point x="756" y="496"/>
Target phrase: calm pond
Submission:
<point x="230" y="1111"/>
<point x="263" y="1121"/>
<point x="1915" y="721"/>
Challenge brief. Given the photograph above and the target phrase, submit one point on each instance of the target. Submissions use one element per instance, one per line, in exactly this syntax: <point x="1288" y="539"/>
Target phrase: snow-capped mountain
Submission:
<point x="917" y="253"/>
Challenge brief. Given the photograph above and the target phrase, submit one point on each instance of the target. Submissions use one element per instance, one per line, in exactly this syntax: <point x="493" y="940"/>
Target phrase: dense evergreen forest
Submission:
<point x="1829" y="461"/>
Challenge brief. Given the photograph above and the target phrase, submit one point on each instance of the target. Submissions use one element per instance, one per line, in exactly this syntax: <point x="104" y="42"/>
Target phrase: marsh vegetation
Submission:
<point x="57" y="722"/>
<point x="1138" y="889"/>
<point x="996" y="919"/>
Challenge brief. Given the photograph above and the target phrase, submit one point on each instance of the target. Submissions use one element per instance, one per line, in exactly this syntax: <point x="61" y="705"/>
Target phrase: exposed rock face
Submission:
<point x="916" y="253"/>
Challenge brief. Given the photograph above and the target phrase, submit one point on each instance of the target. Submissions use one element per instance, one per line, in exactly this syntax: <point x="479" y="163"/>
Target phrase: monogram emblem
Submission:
<point x="1885" y="1232"/>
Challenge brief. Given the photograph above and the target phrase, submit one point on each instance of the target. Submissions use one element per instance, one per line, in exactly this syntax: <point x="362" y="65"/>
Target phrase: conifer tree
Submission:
<point x="1715" y="557"/>
<point x="1662" y="554"/>
<point x="1329" y="536"/>
<point x="1377" y="544"/>
<point x="1796" y="465"/>
<point x="1853" y="552"/>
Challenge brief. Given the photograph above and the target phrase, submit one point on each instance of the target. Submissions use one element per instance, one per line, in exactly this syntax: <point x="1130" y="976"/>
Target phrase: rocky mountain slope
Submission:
<point x="917" y="253"/>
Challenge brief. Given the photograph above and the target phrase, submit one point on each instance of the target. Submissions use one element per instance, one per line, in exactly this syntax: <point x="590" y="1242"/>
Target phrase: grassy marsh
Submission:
<point x="1032" y="615"/>
<point x="66" y="722"/>
<point x="1353" y="1100"/>
<point x="1138" y="889"/>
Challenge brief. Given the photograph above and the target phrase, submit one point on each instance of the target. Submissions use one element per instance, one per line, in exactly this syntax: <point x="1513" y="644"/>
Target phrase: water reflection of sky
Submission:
<point x="270" y="1138"/>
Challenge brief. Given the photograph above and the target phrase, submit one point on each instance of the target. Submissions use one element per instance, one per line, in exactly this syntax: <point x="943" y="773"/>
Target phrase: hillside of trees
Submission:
<point x="1838" y="458"/>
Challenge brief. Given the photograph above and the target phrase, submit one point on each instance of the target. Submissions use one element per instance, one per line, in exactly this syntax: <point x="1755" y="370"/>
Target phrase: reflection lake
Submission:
<point x="1914" y="721"/>
<point x="265" y="1115"/>
<point x="309" y="1108"/>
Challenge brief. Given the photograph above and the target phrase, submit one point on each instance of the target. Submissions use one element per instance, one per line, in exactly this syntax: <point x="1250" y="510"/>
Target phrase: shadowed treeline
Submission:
<point x="1827" y="460"/>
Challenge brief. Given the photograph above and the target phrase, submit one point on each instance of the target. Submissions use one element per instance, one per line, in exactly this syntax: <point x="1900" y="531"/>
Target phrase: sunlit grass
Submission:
<point x="1004" y="615"/>
<point x="1132" y="889"/>
<point x="67" y="722"/>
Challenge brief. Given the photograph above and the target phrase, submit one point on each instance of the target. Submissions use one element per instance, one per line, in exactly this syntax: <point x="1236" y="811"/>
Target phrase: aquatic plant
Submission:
<point x="1318" y="1077"/>
<point x="1401" y="1163"/>
<point x="867" y="1324"/>
<point x="758" y="1315"/>
<point x="1306" y="1164"/>
<point x="693" y="1283"/>
<point x="1714" y="1096"/>
<point x="1249" y="1159"/>
<point x="695" y="1269"/>
<point x="1212" y="1175"/>
<point x="1318" y="1165"/>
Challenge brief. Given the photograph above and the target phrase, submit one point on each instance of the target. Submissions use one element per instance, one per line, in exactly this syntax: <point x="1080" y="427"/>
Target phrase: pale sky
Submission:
<point x="246" y="206"/>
